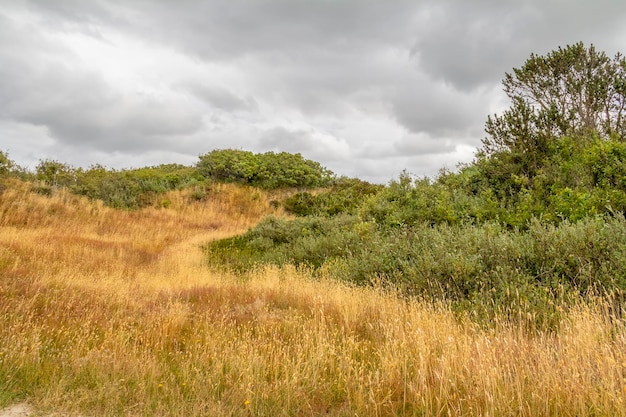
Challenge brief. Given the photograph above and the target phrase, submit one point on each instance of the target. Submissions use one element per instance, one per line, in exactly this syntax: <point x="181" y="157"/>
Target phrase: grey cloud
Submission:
<point x="43" y="86"/>
<point x="328" y="59"/>
<point x="382" y="170"/>
<point x="79" y="108"/>
<point x="282" y="139"/>
<point x="333" y="82"/>
<point x="423" y="145"/>
<point x="228" y="28"/>
<point x="470" y="44"/>
<point x="438" y="109"/>
<point x="425" y="113"/>
<point x="366" y="87"/>
<point x="314" y="55"/>
<point x="312" y="144"/>
<point x="220" y="97"/>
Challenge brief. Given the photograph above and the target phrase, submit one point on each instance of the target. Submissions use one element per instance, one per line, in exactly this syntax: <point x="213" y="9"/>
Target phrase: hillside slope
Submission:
<point x="108" y="312"/>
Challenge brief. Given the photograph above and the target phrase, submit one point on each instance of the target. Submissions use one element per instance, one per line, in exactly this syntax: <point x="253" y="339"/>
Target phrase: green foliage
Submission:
<point x="482" y="269"/>
<point x="309" y="241"/>
<point x="6" y="165"/>
<point x="136" y="188"/>
<point x="9" y="169"/>
<point x="268" y="170"/>
<point x="571" y="91"/>
<point x="606" y="161"/>
<point x="55" y="174"/>
<point x="229" y="165"/>
<point x="344" y="196"/>
<point x="448" y="200"/>
<point x="579" y="177"/>
<point x="558" y="153"/>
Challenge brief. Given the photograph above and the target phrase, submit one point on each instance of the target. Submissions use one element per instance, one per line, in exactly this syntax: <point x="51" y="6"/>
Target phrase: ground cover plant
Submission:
<point x="109" y="312"/>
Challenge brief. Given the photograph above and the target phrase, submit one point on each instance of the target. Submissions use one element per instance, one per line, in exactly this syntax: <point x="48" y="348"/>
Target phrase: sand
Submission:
<point x="18" y="410"/>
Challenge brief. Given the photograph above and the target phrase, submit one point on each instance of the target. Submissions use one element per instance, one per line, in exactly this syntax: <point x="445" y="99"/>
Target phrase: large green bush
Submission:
<point x="344" y="196"/>
<point x="268" y="170"/>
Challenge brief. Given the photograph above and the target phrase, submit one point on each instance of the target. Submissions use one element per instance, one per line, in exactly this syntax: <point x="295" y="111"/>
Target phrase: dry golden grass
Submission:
<point x="108" y="313"/>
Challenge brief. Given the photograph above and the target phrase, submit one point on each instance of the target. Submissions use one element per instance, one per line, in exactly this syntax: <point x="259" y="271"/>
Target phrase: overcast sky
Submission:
<point x="368" y="88"/>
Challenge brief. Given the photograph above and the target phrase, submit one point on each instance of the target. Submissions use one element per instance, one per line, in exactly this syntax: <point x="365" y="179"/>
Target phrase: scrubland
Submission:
<point x="106" y="312"/>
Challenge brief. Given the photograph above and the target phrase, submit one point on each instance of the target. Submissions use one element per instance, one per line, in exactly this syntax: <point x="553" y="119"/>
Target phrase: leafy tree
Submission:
<point x="90" y="180"/>
<point x="55" y="173"/>
<point x="606" y="161"/>
<point x="6" y="165"/>
<point x="283" y="170"/>
<point x="557" y="153"/>
<point x="571" y="91"/>
<point x="229" y="165"/>
<point x="268" y="170"/>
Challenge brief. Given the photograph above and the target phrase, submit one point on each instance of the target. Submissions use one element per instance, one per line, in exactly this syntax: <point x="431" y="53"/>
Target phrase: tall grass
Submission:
<point x="106" y="312"/>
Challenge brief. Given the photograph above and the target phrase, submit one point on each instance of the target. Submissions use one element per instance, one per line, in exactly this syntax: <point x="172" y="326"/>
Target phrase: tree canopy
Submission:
<point x="575" y="90"/>
<point x="5" y="163"/>
<point x="268" y="170"/>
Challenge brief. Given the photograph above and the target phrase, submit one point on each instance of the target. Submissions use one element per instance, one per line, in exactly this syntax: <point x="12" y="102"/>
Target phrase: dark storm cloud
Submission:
<point x="368" y="86"/>
<point x="470" y="44"/>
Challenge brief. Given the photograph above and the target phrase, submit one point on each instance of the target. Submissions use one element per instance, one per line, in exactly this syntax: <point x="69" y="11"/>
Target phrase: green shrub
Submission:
<point x="309" y="241"/>
<point x="344" y="196"/>
<point x="268" y="170"/>
<point x="134" y="188"/>
<point x="481" y="269"/>
<point x="6" y="164"/>
<point x="56" y="174"/>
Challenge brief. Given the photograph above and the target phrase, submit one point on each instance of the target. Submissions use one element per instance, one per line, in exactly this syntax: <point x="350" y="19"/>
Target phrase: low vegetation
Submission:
<point x="485" y="270"/>
<point x="261" y="284"/>
<point x="109" y="312"/>
<point x="132" y="189"/>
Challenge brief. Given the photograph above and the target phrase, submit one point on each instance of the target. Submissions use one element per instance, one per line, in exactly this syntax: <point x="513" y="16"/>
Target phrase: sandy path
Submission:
<point x="18" y="410"/>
